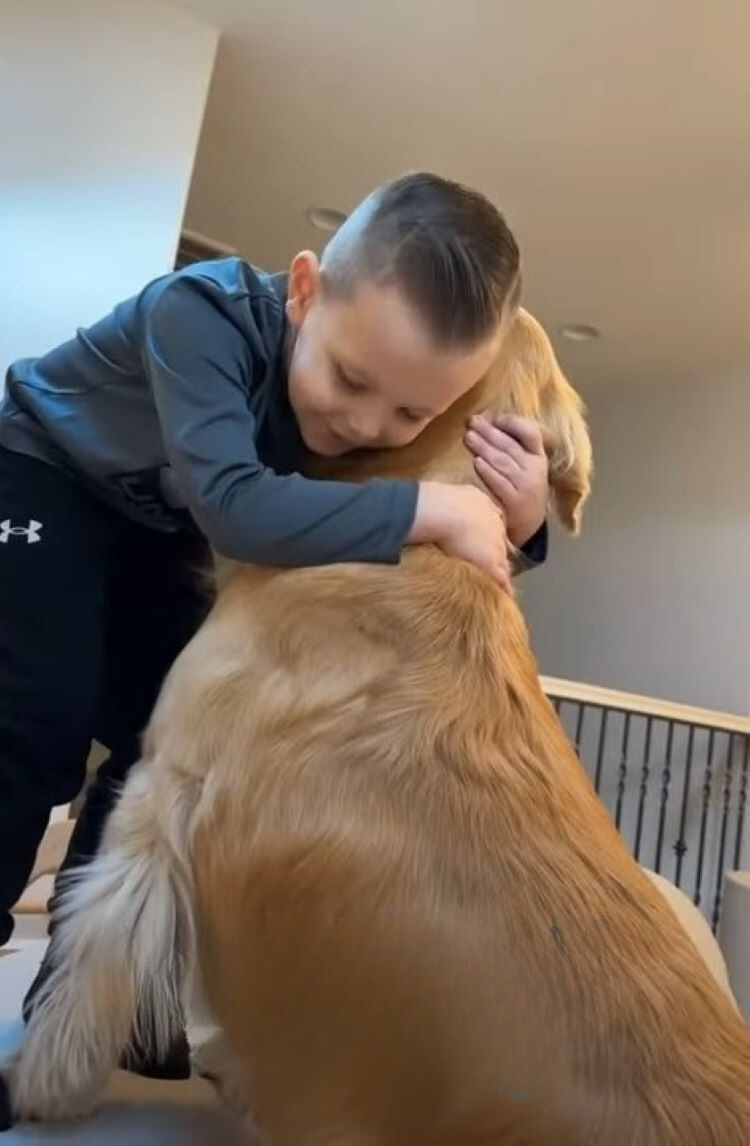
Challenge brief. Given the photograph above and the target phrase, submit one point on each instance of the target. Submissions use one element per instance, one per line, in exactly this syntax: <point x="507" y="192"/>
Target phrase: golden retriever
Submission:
<point x="413" y="919"/>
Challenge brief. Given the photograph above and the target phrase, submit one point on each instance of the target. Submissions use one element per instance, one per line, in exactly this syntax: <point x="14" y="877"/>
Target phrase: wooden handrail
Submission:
<point x="592" y="694"/>
<point x="206" y="241"/>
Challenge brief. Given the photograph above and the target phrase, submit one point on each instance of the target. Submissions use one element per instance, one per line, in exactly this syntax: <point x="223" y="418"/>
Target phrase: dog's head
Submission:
<point x="524" y="379"/>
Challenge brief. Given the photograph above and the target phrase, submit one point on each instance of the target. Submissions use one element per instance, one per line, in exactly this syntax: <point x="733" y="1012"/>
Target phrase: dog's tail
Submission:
<point x="121" y="956"/>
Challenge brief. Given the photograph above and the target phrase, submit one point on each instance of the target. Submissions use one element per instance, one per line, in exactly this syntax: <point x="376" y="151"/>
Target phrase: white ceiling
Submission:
<point x="614" y="133"/>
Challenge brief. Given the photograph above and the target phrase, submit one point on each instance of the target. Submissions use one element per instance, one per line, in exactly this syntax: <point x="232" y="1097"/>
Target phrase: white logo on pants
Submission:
<point x="30" y="532"/>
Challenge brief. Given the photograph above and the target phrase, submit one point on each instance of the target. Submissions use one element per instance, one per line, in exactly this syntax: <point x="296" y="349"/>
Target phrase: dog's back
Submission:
<point x="418" y="922"/>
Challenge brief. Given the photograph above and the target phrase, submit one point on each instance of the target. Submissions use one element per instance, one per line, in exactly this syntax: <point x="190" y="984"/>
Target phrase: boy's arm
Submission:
<point x="246" y="510"/>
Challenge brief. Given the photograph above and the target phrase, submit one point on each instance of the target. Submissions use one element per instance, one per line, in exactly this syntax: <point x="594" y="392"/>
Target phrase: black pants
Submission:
<point x="93" y="611"/>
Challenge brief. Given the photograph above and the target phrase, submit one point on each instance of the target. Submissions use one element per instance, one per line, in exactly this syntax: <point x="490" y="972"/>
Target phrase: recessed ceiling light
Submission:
<point x="326" y="218"/>
<point x="580" y="332"/>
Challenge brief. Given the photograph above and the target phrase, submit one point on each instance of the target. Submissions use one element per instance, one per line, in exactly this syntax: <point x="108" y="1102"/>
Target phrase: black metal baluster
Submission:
<point x="707" y="779"/>
<point x="644" y="786"/>
<point x="600" y="748"/>
<point x="579" y="726"/>
<point x="680" y="845"/>
<point x="742" y="803"/>
<point x="666" y="776"/>
<point x="726" y="797"/>
<point x="736" y="779"/>
<point x="622" y="771"/>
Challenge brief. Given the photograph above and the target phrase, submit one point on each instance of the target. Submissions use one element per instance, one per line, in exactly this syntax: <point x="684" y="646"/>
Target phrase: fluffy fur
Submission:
<point x="413" y="918"/>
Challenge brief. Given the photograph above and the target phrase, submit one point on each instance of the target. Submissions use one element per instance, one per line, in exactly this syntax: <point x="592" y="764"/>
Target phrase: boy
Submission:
<point x="178" y="422"/>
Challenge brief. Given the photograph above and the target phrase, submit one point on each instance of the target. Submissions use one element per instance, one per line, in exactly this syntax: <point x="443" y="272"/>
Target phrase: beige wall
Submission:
<point x="101" y="103"/>
<point x="655" y="597"/>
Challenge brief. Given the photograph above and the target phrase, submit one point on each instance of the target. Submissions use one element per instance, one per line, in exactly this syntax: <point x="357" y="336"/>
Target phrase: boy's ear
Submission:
<point x="304" y="284"/>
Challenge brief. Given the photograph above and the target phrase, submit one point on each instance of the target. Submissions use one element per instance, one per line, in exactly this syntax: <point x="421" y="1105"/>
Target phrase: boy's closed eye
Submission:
<point x="415" y="416"/>
<point x="358" y="386"/>
<point x="353" y="385"/>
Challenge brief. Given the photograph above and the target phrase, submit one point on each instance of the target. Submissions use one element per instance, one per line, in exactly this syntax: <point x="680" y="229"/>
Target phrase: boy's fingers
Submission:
<point x="499" y="485"/>
<point x="499" y="440"/>
<point x="523" y="430"/>
<point x="503" y="578"/>
<point x="498" y="469"/>
<point x="498" y="449"/>
<point x="500" y="571"/>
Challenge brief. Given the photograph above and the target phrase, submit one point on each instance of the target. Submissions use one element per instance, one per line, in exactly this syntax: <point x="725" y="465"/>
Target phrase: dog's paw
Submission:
<point x="58" y="1110"/>
<point x="213" y="1061"/>
<point x="21" y="1101"/>
<point x="253" y="1136"/>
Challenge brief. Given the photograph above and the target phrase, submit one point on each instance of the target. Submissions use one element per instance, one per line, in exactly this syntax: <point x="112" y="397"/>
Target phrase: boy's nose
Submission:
<point x="364" y="431"/>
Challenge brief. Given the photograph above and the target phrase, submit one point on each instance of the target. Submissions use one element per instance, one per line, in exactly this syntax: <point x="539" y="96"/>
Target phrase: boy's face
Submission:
<point x="365" y="373"/>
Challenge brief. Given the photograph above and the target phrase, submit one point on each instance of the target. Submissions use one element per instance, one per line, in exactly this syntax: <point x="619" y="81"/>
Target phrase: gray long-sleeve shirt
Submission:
<point x="178" y="401"/>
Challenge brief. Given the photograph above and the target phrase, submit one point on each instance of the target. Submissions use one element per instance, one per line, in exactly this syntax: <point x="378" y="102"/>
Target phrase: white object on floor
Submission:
<point x="734" y="936"/>
<point x="698" y="930"/>
<point x="134" y="1111"/>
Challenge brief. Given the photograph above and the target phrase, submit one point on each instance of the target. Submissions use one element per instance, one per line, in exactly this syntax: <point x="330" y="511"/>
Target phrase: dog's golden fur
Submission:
<point x="416" y="923"/>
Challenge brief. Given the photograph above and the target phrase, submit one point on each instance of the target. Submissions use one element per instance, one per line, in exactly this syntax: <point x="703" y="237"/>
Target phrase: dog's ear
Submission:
<point x="529" y="381"/>
<point x="568" y="446"/>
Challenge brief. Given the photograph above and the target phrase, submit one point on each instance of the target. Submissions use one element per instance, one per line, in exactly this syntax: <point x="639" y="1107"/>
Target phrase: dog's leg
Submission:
<point x="122" y="946"/>
<point x="213" y="1060"/>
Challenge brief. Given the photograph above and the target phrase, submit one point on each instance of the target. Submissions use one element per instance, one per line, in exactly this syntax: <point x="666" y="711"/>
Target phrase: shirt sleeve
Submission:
<point x="534" y="552"/>
<point x="200" y="366"/>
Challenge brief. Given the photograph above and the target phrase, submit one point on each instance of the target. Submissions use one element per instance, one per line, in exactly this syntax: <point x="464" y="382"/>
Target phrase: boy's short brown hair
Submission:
<point x="445" y="246"/>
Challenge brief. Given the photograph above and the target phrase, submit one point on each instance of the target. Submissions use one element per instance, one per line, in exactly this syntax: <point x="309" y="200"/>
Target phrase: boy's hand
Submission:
<point x="465" y="523"/>
<point x="509" y="457"/>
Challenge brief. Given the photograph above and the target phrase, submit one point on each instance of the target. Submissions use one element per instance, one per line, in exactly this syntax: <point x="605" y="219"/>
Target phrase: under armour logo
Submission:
<point x="30" y="532"/>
